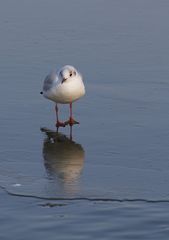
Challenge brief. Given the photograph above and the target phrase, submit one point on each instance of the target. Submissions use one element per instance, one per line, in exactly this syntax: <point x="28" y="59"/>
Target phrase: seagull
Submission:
<point x="64" y="87"/>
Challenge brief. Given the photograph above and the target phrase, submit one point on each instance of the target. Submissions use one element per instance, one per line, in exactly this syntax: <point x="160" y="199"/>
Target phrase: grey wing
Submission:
<point x="49" y="81"/>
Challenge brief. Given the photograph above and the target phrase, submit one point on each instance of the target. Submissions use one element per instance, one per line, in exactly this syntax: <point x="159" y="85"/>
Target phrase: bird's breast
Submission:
<point x="67" y="92"/>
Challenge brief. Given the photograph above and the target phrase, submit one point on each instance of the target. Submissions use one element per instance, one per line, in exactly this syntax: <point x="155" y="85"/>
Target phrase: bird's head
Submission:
<point x="67" y="72"/>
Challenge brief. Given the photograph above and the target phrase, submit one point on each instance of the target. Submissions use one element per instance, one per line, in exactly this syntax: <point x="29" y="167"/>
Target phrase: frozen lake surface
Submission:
<point x="112" y="179"/>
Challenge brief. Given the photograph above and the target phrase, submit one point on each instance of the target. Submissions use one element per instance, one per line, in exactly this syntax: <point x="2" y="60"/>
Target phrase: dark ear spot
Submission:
<point x="74" y="72"/>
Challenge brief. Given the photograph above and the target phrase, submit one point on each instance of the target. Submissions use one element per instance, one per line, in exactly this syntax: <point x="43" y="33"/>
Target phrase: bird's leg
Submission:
<point x="58" y="123"/>
<point x="71" y="121"/>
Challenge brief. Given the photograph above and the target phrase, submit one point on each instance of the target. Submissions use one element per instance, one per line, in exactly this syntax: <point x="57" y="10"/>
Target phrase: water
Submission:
<point x="112" y="180"/>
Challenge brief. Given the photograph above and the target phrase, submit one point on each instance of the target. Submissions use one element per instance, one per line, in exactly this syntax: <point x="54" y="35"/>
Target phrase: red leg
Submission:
<point x="58" y="123"/>
<point x="71" y="121"/>
<point x="70" y="110"/>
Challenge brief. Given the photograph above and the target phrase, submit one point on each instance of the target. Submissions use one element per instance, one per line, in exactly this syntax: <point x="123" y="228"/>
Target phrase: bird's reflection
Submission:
<point x="63" y="160"/>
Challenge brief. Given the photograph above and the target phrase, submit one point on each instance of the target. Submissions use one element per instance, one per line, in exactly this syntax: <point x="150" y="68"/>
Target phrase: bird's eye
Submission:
<point x="70" y="74"/>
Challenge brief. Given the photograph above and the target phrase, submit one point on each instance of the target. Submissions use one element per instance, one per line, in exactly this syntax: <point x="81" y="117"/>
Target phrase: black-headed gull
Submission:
<point x="64" y="87"/>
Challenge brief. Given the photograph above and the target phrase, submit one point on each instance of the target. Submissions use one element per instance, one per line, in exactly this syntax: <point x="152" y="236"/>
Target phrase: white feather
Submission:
<point x="63" y="88"/>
